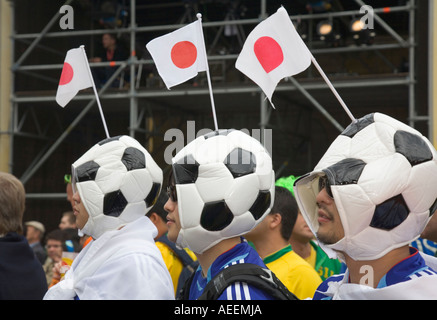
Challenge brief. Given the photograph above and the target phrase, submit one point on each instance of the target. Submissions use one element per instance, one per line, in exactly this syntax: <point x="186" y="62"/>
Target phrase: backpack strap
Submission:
<point x="185" y="258"/>
<point x="184" y="292"/>
<point x="252" y="274"/>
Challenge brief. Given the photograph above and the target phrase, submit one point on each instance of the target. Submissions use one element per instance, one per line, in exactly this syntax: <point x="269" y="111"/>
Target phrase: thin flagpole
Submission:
<point x="199" y="17"/>
<point x="95" y="91"/>
<point x="332" y="88"/>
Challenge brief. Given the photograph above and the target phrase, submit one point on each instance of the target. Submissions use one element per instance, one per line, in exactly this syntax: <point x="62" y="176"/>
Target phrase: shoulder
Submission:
<point x="322" y="292"/>
<point x="243" y="291"/>
<point x="131" y="276"/>
<point x="240" y="254"/>
<point x="292" y="264"/>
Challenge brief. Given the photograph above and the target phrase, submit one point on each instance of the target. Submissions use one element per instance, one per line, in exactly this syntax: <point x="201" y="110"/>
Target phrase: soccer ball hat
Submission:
<point x="225" y="187"/>
<point x="118" y="182"/>
<point x="383" y="178"/>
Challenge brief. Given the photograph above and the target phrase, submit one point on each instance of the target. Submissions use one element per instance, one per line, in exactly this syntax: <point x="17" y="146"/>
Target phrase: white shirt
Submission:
<point x="121" y="264"/>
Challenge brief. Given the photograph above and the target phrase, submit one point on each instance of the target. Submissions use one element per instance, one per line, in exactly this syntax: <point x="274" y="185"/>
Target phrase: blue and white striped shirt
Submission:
<point x="241" y="253"/>
<point x="411" y="268"/>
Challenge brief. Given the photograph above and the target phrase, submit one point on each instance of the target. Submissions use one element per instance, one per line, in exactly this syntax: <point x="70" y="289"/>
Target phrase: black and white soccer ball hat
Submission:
<point x="383" y="177"/>
<point x="118" y="181"/>
<point x="225" y="187"/>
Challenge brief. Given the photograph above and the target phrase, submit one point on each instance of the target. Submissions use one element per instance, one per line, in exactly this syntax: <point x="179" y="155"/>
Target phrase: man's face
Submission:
<point x="107" y="41"/>
<point x="301" y="230"/>
<point x="79" y="211"/>
<point x="330" y="227"/>
<point x="173" y="222"/>
<point x="260" y="232"/>
<point x="65" y="223"/>
<point x="54" y="249"/>
<point x="32" y="234"/>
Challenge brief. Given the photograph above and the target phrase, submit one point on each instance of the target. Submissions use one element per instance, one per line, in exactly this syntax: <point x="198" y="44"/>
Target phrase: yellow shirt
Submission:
<point x="311" y="259"/>
<point x="173" y="263"/>
<point x="294" y="272"/>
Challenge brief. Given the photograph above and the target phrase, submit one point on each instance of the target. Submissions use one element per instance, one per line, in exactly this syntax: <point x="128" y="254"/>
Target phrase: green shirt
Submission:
<point x="325" y="266"/>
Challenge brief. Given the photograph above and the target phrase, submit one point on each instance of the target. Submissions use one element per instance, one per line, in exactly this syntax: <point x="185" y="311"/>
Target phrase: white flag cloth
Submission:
<point x="273" y="50"/>
<point x="179" y="55"/>
<point x="75" y="76"/>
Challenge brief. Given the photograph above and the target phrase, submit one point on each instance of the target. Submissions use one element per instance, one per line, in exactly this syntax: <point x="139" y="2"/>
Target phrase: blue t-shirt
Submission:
<point x="407" y="269"/>
<point x="241" y="253"/>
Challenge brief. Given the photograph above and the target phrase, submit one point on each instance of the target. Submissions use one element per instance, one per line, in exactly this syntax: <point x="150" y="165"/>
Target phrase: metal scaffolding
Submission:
<point x="135" y="66"/>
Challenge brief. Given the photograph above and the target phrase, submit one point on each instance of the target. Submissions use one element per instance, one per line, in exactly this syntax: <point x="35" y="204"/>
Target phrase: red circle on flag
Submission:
<point x="67" y="74"/>
<point x="268" y="53"/>
<point x="184" y="54"/>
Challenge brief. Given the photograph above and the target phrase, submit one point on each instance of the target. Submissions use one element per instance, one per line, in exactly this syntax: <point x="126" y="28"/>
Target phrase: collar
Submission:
<point x="404" y="269"/>
<point x="232" y="256"/>
<point x="278" y="254"/>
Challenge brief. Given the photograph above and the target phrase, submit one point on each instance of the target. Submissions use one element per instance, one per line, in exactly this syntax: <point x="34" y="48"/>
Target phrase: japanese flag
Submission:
<point x="273" y="50"/>
<point x="179" y="55"/>
<point x="75" y="76"/>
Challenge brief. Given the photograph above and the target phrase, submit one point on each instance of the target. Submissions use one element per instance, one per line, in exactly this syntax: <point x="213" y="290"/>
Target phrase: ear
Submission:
<point x="154" y="218"/>
<point x="275" y="220"/>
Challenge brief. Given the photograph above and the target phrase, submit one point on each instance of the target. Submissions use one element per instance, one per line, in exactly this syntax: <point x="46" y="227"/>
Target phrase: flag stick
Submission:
<point x="95" y="91"/>
<point x="199" y="16"/>
<point x="333" y="89"/>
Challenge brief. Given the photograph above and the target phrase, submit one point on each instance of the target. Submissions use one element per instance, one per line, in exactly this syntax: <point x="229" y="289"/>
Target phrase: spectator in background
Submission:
<point x="112" y="51"/>
<point x="302" y="241"/>
<point x="270" y="238"/>
<point x="68" y="221"/>
<point x="34" y="235"/>
<point x="58" y="241"/>
<point x="21" y="276"/>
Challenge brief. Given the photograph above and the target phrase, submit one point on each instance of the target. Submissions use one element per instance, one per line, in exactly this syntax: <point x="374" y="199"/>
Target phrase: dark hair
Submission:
<point x="286" y="206"/>
<point x="158" y="208"/>
<point x="68" y="238"/>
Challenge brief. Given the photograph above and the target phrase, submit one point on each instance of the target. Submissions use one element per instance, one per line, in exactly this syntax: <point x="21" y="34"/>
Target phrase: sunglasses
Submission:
<point x="171" y="192"/>
<point x="325" y="184"/>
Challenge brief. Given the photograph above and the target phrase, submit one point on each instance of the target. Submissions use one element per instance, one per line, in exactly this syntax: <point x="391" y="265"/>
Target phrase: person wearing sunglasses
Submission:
<point x="368" y="198"/>
<point x="215" y="236"/>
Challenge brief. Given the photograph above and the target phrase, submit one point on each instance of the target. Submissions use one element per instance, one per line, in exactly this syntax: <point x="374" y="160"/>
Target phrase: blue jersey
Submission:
<point x="410" y="268"/>
<point x="426" y="246"/>
<point x="241" y="253"/>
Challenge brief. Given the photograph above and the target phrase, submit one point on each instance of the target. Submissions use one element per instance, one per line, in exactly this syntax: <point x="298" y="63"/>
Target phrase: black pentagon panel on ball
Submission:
<point x="240" y="162"/>
<point x="358" y="125"/>
<point x="390" y="213"/>
<point x="433" y="208"/>
<point x="133" y="159"/>
<point x="86" y="171"/>
<point x="186" y="170"/>
<point x="114" y="203"/>
<point x="346" y="171"/>
<point x="412" y="147"/>
<point x="153" y="195"/>
<point x="104" y="141"/>
<point x="216" y="216"/>
<point x="261" y="204"/>
<point x="221" y="132"/>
